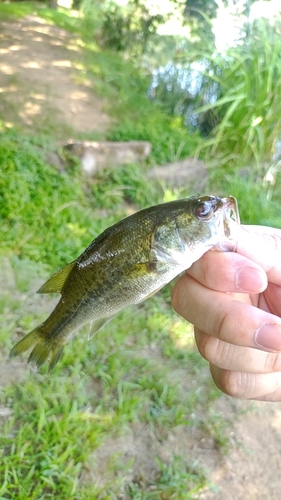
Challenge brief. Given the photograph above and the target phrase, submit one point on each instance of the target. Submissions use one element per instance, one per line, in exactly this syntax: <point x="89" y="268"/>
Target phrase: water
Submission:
<point x="182" y="89"/>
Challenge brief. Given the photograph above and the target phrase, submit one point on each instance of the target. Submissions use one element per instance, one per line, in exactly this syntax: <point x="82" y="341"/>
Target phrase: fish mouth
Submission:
<point x="230" y="205"/>
<point x="228" y="222"/>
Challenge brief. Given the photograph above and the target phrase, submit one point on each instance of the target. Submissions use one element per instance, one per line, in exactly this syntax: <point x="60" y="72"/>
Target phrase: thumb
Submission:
<point x="262" y="245"/>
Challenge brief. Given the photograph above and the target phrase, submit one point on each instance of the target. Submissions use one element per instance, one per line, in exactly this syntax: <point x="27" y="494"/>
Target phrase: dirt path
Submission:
<point x="38" y="79"/>
<point x="250" y="471"/>
<point x="39" y="86"/>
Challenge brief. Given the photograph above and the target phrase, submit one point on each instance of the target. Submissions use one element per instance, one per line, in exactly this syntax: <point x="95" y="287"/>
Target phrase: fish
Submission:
<point x="126" y="264"/>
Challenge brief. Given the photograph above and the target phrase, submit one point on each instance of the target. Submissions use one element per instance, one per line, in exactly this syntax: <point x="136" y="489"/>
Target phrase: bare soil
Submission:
<point x="39" y="84"/>
<point x="39" y="79"/>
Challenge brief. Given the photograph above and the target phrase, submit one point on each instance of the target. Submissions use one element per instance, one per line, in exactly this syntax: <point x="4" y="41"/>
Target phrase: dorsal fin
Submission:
<point x="56" y="282"/>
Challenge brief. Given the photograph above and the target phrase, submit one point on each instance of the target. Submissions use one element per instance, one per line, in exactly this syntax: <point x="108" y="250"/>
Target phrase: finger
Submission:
<point x="270" y="300"/>
<point x="262" y="245"/>
<point x="223" y="316"/>
<point x="229" y="272"/>
<point x="248" y="385"/>
<point x="236" y="358"/>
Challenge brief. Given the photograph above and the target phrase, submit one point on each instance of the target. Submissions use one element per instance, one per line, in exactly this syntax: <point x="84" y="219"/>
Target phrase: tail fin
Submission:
<point x="43" y="348"/>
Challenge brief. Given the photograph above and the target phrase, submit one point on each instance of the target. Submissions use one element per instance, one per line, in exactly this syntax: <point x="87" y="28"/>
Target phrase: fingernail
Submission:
<point x="250" y="279"/>
<point x="268" y="336"/>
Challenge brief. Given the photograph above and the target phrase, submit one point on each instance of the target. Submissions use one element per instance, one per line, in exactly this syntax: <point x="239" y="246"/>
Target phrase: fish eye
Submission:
<point x="204" y="210"/>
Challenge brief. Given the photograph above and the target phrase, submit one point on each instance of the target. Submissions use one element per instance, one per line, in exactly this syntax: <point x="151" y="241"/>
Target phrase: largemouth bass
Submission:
<point x="126" y="264"/>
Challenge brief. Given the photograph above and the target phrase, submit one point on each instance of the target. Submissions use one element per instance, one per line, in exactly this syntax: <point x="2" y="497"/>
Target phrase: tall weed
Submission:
<point x="248" y="107"/>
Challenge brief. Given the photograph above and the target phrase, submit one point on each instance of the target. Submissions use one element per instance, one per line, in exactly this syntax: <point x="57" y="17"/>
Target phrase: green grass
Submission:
<point x="101" y="389"/>
<point x="258" y="198"/>
<point x="174" y="480"/>
<point x="16" y="10"/>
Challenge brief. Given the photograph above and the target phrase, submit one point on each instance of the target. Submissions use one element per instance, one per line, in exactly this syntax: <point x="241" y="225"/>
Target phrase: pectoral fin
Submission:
<point x="56" y="282"/>
<point x="97" y="325"/>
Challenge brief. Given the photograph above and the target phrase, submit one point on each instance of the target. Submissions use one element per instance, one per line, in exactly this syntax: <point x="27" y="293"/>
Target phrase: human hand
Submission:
<point x="239" y="333"/>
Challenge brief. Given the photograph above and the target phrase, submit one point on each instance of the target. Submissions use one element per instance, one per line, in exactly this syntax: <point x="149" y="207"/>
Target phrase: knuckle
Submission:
<point x="202" y="340"/>
<point x="211" y="348"/>
<point x="236" y="384"/>
<point x="218" y="320"/>
<point x="224" y="322"/>
<point x="223" y="353"/>
<point x="248" y="385"/>
<point x="272" y="362"/>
